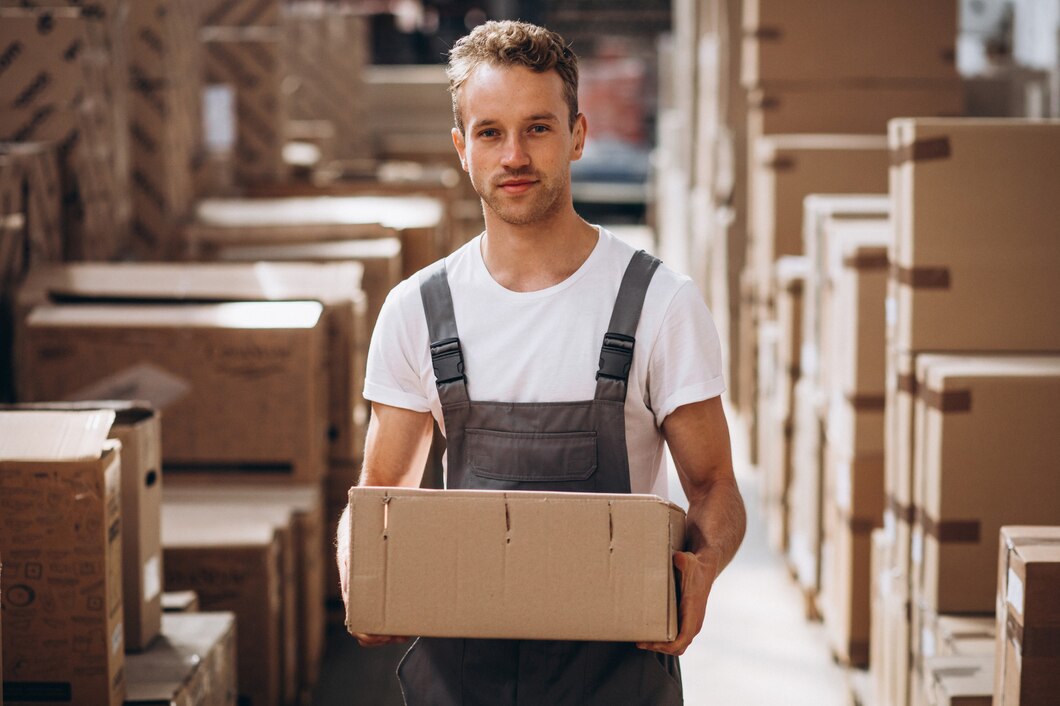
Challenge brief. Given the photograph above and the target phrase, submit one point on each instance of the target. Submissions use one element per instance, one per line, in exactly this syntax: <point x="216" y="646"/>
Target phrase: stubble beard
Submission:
<point x="543" y="204"/>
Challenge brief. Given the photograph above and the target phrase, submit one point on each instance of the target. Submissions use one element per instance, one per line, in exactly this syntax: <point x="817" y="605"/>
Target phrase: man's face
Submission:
<point x="517" y="145"/>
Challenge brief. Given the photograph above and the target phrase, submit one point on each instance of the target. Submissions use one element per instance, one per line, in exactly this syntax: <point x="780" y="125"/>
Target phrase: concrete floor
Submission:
<point x="756" y="648"/>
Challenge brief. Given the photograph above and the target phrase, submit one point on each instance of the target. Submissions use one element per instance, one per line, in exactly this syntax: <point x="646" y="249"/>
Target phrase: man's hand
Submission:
<point x="697" y="577"/>
<point x="379" y="640"/>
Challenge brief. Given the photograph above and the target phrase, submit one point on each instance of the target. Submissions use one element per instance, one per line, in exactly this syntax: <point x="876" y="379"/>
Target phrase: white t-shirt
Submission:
<point x="544" y="346"/>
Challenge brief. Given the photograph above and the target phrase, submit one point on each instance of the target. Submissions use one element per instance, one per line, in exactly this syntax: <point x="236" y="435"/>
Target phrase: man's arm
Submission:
<point x="394" y="455"/>
<point x="698" y="437"/>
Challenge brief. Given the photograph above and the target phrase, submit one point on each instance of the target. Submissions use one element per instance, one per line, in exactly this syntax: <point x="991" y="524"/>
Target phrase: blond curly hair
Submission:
<point x="511" y="43"/>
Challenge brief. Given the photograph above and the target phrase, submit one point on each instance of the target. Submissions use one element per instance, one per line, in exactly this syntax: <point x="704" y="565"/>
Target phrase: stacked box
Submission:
<point x="778" y="419"/>
<point x="248" y="60"/>
<point x="220" y="373"/>
<point x="37" y="172"/>
<point x="57" y="88"/>
<point x="419" y="221"/>
<point x="233" y="566"/>
<point x="325" y="50"/>
<point x="138" y="428"/>
<point x="804" y="493"/>
<point x="965" y="487"/>
<point x="958" y="681"/>
<point x="786" y="169"/>
<point x="1028" y="622"/>
<point x="61" y="539"/>
<point x="195" y="663"/>
<point x="303" y="506"/>
<point x="180" y="602"/>
<point x="803" y="41"/>
<point x="337" y="286"/>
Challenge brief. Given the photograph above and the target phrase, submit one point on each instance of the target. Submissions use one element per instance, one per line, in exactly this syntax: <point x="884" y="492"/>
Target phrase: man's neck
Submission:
<point x="537" y="256"/>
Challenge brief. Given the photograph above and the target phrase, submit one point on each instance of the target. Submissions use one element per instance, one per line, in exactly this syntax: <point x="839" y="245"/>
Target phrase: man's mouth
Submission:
<point x="517" y="186"/>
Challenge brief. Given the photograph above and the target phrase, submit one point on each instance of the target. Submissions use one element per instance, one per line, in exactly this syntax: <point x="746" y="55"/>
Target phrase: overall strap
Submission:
<point x="616" y="354"/>
<point x="446" y="356"/>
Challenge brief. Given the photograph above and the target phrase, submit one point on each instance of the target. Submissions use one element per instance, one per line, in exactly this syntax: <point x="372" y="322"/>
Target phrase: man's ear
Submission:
<point x="458" y="143"/>
<point x="581" y="129"/>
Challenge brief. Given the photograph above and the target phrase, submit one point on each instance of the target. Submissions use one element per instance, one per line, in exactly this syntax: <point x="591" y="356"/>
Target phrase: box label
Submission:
<point x="152" y="578"/>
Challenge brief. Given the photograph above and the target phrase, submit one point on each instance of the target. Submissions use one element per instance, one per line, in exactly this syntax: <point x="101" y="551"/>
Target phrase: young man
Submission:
<point x="548" y="344"/>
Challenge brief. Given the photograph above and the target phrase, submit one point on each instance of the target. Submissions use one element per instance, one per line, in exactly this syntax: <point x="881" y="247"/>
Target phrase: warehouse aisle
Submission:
<point x="756" y="647"/>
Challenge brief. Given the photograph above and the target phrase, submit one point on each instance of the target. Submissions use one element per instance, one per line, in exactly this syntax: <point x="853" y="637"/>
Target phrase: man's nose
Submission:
<point x="514" y="153"/>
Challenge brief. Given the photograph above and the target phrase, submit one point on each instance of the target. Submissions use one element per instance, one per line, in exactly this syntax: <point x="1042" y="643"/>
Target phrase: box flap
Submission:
<point x="235" y="315"/>
<point x="54" y="436"/>
<point x="126" y="412"/>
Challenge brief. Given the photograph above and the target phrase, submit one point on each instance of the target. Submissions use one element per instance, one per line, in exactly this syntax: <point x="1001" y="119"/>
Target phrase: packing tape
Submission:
<point x="921" y="277"/>
<point x="866" y="403"/>
<point x="764" y="102"/>
<point x="902" y="512"/>
<point x="949" y="531"/>
<point x="794" y="287"/>
<point x="765" y="33"/>
<point x="924" y="149"/>
<point x="947" y="401"/>
<point x="1038" y="642"/>
<point x="779" y="164"/>
<point x="907" y="383"/>
<point x="867" y="259"/>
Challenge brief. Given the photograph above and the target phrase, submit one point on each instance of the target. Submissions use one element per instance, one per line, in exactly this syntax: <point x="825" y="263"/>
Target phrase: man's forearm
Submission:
<point x="716" y="523"/>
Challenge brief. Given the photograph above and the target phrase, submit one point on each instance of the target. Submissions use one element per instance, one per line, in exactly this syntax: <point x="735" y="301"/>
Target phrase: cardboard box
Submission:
<point x="180" y="602"/>
<point x="967" y="484"/>
<point x="280" y="519"/>
<point x="956" y="184"/>
<point x="138" y="428"/>
<point x="419" y="222"/>
<point x="38" y="173"/>
<point x="337" y="286"/>
<point x="854" y="108"/>
<point x="787" y="168"/>
<point x="819" y="209"/>
<point x="61" y="539"/>
<point x="802" y="41"/>
<point x="233" y="566"/>
<point x="380" y="257"/>
<point x="964" y="636"/>
<point x="193" y="663"/>
<point x="248" y="59"/>
<point x="959" y="681"/>
<point x="899" y="430"/>
<point x="219" y="372"/>
<point x="241" y="13"/>
<point x="517" y="553"/>
<point x="1028" y="621"/>
<point x="303" y="505"/>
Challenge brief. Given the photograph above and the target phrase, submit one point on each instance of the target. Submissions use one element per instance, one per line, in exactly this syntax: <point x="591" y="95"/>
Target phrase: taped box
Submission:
<point x="523" y="565"/>
<point x="60" y="537"/>
<point x="957" y="681"/>
<point x="1028" y="617"/>
<point x="221" y="374"/>
<point x="957" y="184"/>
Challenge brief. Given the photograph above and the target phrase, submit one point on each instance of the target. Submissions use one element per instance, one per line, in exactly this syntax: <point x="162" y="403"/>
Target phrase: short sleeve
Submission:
<point x="393" y="376"/>
<point x="685" y="365"/>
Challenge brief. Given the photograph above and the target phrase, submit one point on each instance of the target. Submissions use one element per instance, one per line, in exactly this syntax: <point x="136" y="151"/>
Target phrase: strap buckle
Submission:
<point x="448" y="360"/>
<point x="616" y="356"/>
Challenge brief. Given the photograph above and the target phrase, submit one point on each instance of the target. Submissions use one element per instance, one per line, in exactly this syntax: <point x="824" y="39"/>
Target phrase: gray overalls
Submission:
<point x="553" y="446"/>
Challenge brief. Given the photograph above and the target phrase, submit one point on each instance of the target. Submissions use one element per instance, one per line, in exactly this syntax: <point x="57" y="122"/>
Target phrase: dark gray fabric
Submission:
<point x="559" y="446"/>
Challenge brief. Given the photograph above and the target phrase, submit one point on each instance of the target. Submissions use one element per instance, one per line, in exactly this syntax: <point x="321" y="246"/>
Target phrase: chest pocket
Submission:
<point x="531" y="456"/>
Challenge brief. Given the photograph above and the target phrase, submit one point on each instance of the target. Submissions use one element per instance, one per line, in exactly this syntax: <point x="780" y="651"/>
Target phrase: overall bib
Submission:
<point x="549" y="446"/>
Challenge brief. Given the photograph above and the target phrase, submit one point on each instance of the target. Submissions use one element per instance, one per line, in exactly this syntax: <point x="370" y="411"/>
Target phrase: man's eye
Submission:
<point x="488" y="133"/>
<point x="539" y="129"/>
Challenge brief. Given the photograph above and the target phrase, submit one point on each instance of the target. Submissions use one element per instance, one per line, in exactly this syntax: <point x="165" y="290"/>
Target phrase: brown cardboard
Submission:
<point x="280" y="518"/>
<point x="60" y="536"/>
<point x="545" y="565"/>
<point x="956" y="185"/>
<point x="304" y="504"/>
<point x="418" y="220"/>
<point x="1028" y="621"/>
<point x="819" y="209"/>
<point x="337" y="286"/>
<point x="967" y="485"/>
<point x="240" y="13"/>
<point x="802" y="41"/>
<point x="380" y="257"/>
<point x="233" y="566"/>
<point x="180" y="602"/>
<point x="787" y="168"/>
<point x="38" y="167"/>
<point x="854" y="108"/>
<point x="184" y="665"/>
<point x="219" y="372"/>
<point x="138" y="428"/>
<point x="248" y="59"/>
<point x="959" y="681"/>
